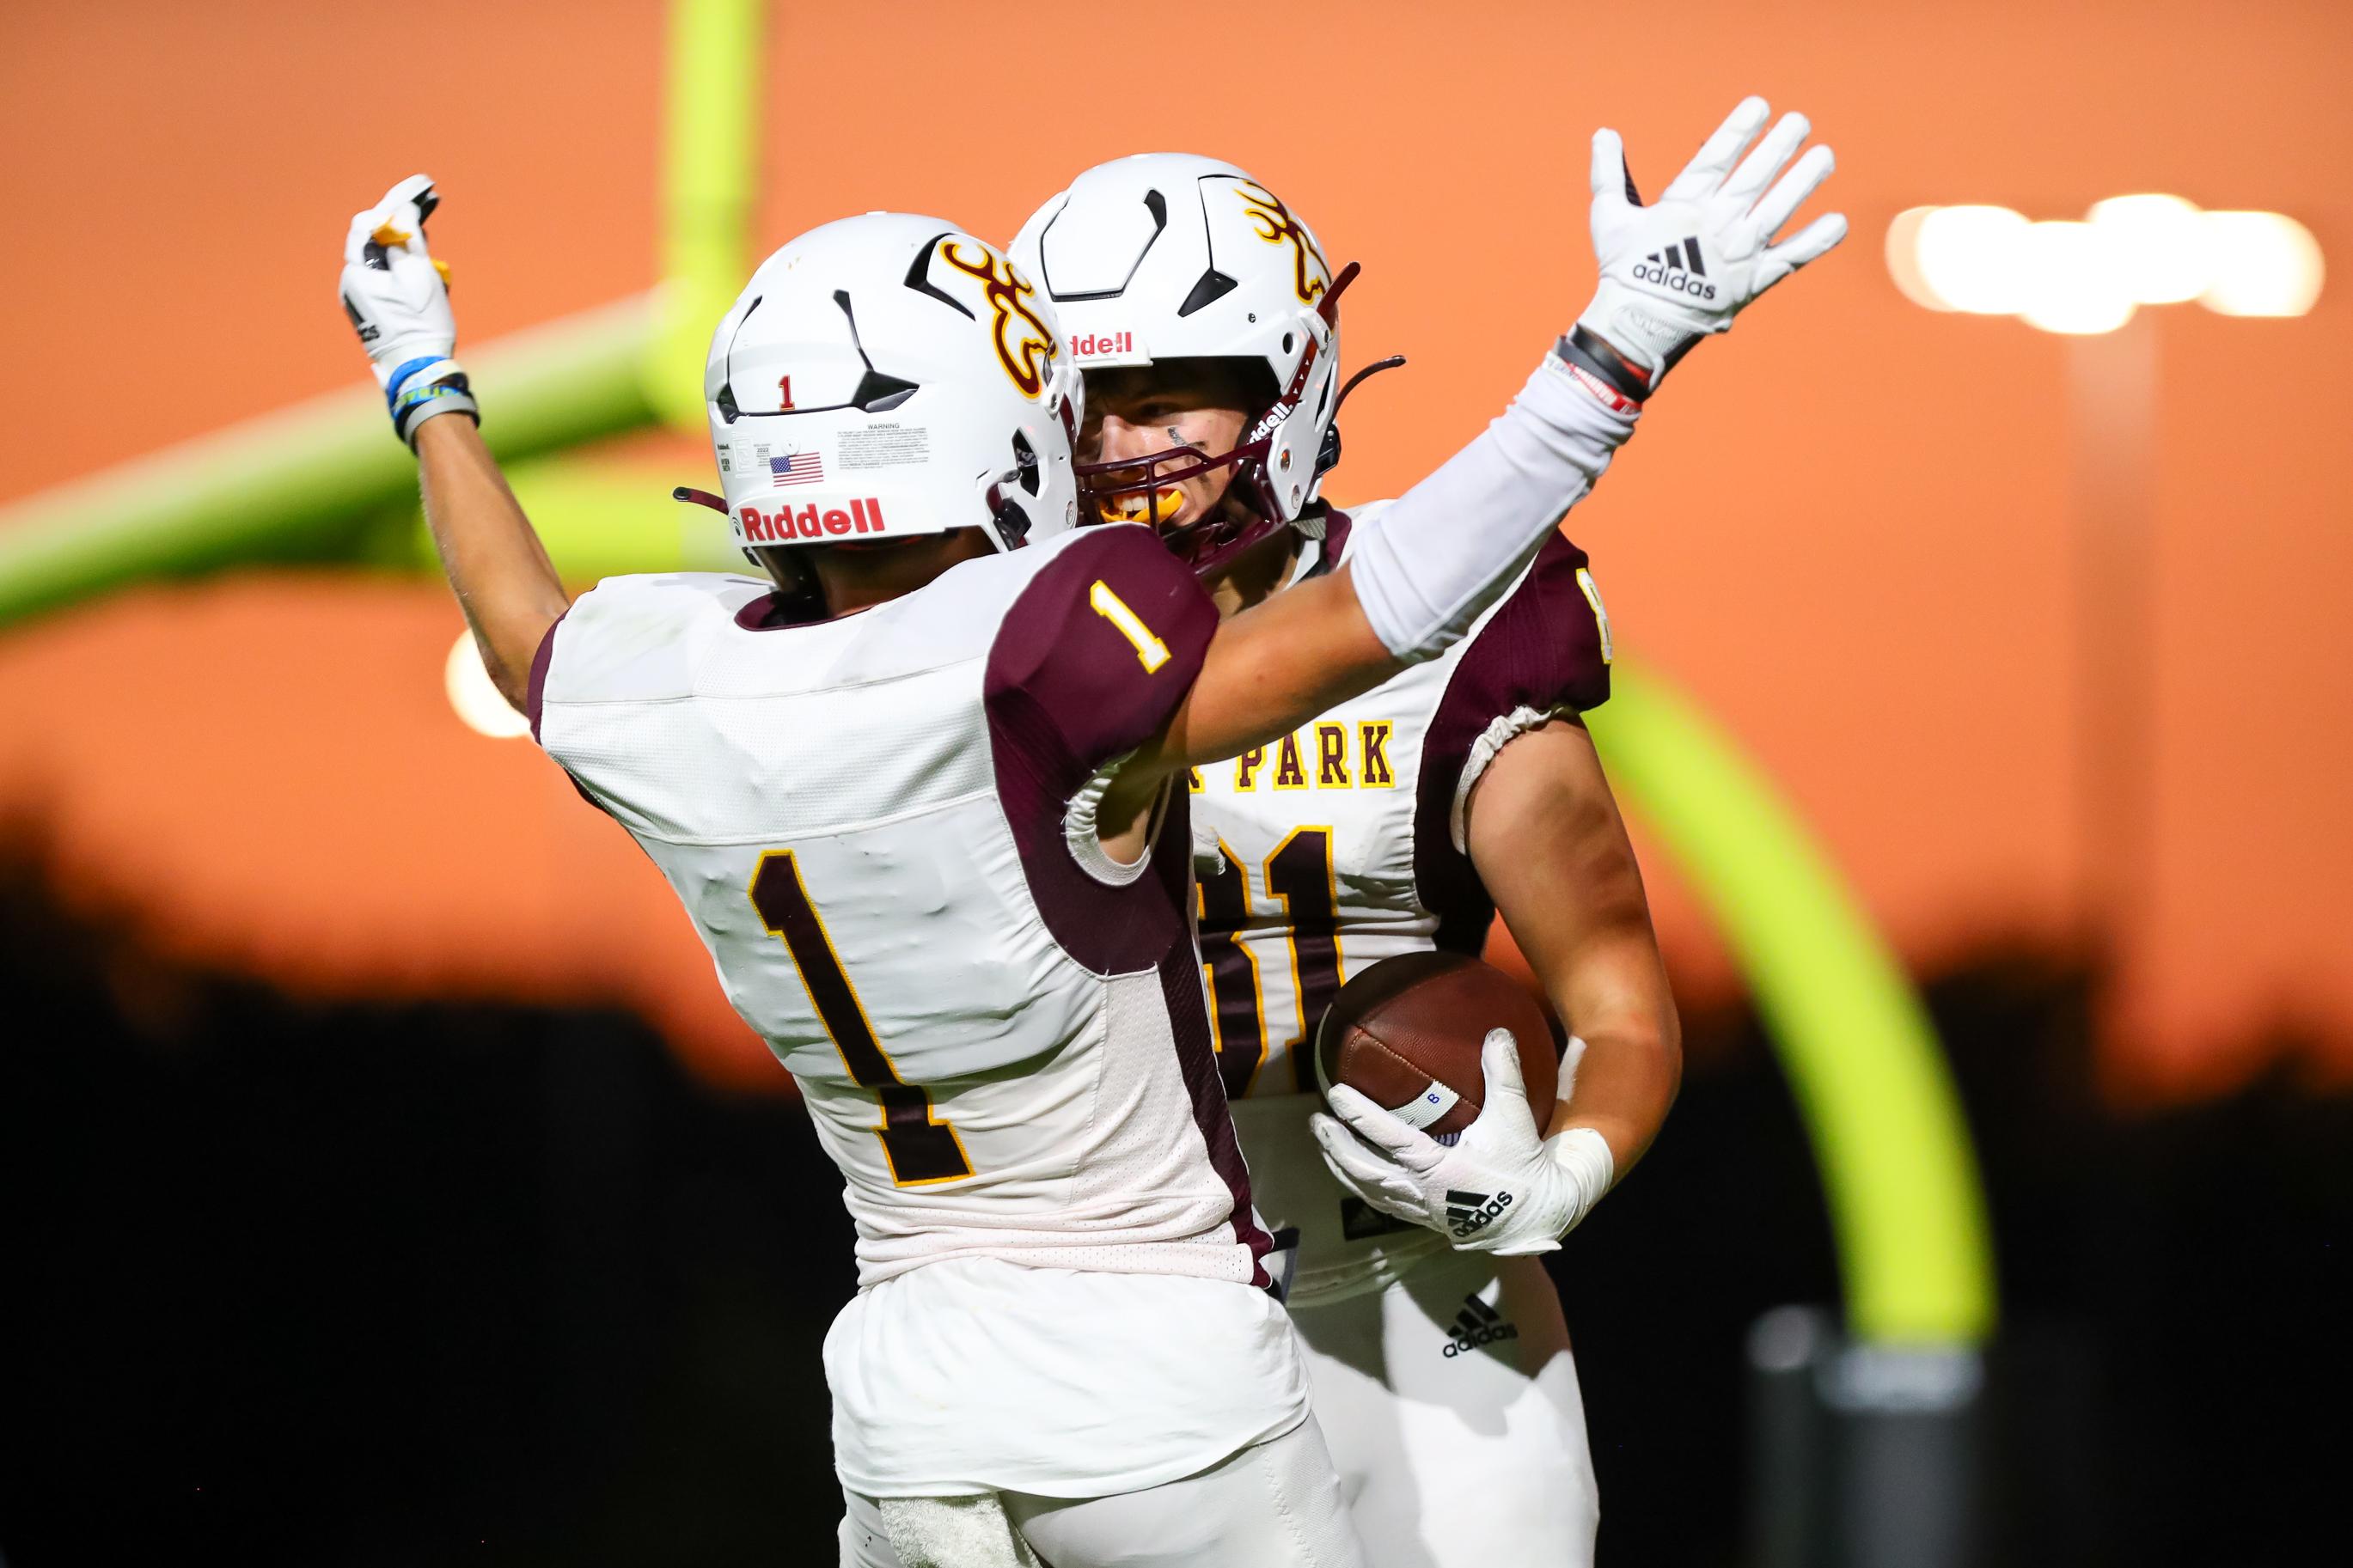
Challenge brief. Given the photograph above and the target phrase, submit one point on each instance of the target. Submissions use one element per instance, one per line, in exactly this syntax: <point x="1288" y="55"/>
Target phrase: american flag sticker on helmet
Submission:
<point x="796" y="469"/>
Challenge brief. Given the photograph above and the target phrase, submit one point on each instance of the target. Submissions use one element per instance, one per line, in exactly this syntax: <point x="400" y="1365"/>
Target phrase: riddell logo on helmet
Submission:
<point x="811" y="522"/>
<point x="1271" y="421"/>
<point x="1088" y="344"/>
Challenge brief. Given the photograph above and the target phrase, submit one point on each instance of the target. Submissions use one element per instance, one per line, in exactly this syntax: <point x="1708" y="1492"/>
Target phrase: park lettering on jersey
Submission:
<point x="1344" y="756"/>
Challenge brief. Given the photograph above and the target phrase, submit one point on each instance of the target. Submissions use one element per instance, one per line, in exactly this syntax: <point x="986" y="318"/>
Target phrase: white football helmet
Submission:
<point x="890" y="375"/>
<point x="1171" y="256"/>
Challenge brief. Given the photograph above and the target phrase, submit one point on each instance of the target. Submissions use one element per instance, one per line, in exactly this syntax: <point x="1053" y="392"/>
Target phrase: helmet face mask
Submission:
<point x="1182" y="465"/>
<point x="1168" y="257"/>
<point x="1243" y="514"/>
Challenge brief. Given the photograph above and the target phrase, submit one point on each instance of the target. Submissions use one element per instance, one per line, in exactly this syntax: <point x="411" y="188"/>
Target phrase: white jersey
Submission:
<point x="1342" y="843"/>
<point x="881" y="825"/>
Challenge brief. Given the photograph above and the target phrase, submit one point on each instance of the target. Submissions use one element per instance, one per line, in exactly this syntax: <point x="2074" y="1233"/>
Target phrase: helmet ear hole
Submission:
<point x="1290" y="341"/>
<point x="1012" y="521"/>
<point x="1025" y="462"/>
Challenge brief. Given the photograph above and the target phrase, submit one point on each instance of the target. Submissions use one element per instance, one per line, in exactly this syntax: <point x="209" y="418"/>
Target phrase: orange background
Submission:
<point x="1848" y="530"/>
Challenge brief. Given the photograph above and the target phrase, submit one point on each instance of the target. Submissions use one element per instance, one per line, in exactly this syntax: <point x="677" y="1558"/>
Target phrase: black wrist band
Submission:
<point x="1596" y="358"/>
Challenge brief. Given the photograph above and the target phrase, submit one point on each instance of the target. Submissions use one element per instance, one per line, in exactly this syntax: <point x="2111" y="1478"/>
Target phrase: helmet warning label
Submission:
<point x="885" y="447"/>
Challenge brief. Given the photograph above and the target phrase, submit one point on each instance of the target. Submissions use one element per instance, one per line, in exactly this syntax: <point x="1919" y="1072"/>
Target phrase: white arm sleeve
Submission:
<point x="1429" y="564"/>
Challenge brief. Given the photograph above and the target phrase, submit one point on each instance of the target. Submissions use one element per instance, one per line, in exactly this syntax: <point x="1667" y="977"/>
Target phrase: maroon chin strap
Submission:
<point x="1211" y="540"/>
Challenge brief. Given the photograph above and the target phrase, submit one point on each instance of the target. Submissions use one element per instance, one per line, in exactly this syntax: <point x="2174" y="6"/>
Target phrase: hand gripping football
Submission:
<point x="1406" y="1034"/>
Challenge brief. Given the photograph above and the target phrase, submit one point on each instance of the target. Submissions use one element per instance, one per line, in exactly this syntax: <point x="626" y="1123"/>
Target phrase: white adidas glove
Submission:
<point x="397" y="298"/>
<point x="1502" y="1187"/>
<point x="1680" y="268"/>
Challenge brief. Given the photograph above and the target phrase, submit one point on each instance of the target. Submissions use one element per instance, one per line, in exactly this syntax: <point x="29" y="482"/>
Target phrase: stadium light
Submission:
<point x="2087" y="277"/>
<point x="2265" y="264"/>
<point x="2159" y="246"/>
<point x="2073" y="281"/>
<point x="1966" y="259"/>
<point x="475" y="698"/>
<point x="2086" y="280"/>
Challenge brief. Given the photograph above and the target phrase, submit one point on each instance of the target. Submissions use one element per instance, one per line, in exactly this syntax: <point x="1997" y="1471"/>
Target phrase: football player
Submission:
<point x="917" y="800"/>
<point x="1404" y="818"/>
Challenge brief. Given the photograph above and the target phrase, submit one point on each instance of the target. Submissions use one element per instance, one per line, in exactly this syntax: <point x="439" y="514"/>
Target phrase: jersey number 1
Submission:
<point x="1150" y="651"/>
<point x="920" y="1148"/>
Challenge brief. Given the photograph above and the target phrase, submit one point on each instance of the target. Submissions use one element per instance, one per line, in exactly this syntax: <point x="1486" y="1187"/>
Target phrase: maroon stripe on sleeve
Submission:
<point x="536" y="698"/>
<point x="1068" y="689"/>
<point x="1541" y="650"/>
<point x="535" y="690"/>
<point x="1197" y="1054"/>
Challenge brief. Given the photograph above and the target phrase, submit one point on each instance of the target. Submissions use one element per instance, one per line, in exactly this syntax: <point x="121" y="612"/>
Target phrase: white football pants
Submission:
<point x="1452" y="1403"/>
<point x="1274" y="1505"/>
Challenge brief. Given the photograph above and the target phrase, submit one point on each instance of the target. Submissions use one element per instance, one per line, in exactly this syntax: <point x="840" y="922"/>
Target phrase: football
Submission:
<point x="1406" y="1035"/>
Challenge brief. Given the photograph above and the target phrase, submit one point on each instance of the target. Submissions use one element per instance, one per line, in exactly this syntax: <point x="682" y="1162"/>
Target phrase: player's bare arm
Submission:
<point x="504" y="579"/>
<point x="1273" y="668"/>
<point x="1545" y="836"/>
<point x="397" y="298"/>
<point x="1541" y="833"/>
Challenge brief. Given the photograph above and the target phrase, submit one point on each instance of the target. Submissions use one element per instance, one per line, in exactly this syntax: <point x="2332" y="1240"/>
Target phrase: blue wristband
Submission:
<point x="418" y="389"/>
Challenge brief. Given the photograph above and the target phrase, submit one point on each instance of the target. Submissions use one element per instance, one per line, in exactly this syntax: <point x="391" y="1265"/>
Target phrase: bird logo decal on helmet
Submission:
<point x="1277" y="227"/>
<point x="1029" y="355"/>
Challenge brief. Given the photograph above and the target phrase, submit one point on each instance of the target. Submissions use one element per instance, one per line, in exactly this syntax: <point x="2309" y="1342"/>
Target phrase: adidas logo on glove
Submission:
<point x="1467" y="1214"/>
<point x="1678" y="268"/>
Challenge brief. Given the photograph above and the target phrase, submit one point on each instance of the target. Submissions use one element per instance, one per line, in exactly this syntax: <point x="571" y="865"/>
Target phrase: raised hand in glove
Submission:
<point x="397" y="297"/>
<point x="1502" y="1187"/>
<point x="1682" y="268"/>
